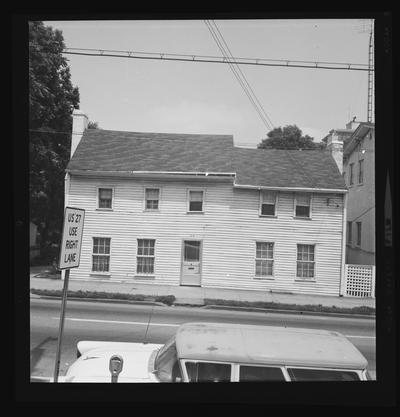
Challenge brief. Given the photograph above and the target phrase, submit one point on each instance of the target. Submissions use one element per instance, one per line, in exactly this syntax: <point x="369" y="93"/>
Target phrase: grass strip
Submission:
<point x="170" y="299"/>
<point x="318" y="308"/>
<point x="166" y="299"/>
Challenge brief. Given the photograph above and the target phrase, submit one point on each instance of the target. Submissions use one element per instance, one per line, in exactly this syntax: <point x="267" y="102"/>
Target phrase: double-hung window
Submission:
<point x="196" y="200"/>
<point x="101" y="254"/>
<point x="152" y="198"/>
<point x="351" y="166"/>
<point x="303" y="205"/>
<point x="105" y="197"/>
<point x="145" y="256"/>
<point x="305" y="261"/>
<point x="264" y="259"/>
<point x="349" y="233"/>
<point x="358" y="233"/>
<point x="361" y="171"/>
<point x="268" y="203"/>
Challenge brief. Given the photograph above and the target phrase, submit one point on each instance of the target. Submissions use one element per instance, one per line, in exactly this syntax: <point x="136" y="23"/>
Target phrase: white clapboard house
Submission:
<point x="194" y="210"/>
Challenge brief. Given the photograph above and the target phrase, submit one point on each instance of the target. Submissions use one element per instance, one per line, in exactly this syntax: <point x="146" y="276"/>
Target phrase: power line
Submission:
<point x="244" y="78"/>
<point x="362" y="214"/>
<point x="217" y="41"/>
<point x="236" y="74"/>
<point x="49" y="131"/>
<point x="212" y="59"/>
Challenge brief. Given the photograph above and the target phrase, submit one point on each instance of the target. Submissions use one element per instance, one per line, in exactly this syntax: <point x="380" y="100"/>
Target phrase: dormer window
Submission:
<point x="268" y="203"/>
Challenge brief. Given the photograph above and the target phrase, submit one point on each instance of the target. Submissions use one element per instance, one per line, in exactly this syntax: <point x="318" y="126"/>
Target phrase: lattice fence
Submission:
<point x="360" y="280"/>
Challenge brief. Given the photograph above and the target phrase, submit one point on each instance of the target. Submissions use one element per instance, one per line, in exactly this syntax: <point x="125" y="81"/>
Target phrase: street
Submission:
<point x="87" y="320"/>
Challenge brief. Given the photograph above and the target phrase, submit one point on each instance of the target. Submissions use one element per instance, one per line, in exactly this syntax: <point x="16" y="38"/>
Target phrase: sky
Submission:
<point x="192" y="97"/>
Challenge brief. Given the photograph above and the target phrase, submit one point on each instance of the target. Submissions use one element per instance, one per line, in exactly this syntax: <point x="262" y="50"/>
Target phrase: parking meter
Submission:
<point x="116" y="363"/>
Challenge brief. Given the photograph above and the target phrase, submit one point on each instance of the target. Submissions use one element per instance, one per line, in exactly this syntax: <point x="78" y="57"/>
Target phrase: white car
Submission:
<point x="223" y="352"/>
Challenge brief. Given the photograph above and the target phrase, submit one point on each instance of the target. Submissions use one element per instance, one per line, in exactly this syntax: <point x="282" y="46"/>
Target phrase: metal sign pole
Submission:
<point x="61" y="327"/>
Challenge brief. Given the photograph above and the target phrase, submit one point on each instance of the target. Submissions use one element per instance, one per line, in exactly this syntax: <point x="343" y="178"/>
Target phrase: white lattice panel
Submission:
<point x="360" y="280"/>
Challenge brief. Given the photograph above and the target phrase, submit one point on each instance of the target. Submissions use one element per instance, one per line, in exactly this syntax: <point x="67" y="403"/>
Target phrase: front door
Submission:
<point x="191" y="263"/>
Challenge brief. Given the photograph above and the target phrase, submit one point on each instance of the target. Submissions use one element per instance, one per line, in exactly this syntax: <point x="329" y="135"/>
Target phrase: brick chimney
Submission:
<point x="335" y="145"/>
<point x="79" y="125"/>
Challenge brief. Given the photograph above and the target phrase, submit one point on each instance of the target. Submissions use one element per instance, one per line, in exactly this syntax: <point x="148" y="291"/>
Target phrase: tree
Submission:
<point x="52" y="99"/>
<point x="93" y="125"/>
<point x="289" y="137"/>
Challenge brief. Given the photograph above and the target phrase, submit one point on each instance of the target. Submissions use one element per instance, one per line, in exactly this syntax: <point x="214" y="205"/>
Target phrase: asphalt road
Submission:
<point x="87" y="320"/>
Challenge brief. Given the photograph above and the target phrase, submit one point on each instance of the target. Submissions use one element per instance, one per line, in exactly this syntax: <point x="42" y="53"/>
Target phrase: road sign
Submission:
<point x="69" y="258"/>
<point x="72" y="238"/>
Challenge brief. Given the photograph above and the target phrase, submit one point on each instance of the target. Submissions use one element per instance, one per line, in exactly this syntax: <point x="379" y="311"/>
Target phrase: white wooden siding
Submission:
<point x="229" y="229"/>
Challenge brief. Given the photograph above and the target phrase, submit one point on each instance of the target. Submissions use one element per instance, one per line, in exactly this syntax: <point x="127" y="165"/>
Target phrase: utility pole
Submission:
<point x="370" y="93"/>
<point x="370" y="74"/>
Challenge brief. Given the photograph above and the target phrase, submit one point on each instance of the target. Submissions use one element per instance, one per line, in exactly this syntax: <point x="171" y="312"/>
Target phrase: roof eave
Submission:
<point x="154" y="174"/>
<point x="295" y="189"/>
<point x="356" y="137"/>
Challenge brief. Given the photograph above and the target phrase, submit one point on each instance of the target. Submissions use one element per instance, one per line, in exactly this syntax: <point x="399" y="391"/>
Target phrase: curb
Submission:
<point x="211" y="307"/>
<point x="301" y="312"/>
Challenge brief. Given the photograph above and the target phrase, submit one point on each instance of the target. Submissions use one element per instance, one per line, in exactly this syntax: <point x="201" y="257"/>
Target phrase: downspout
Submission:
<point x="342" y="290"/>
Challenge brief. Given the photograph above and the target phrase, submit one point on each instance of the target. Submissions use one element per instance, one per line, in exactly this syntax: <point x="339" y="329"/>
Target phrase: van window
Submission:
<point x="260" y="373"/>
<point x="302" y="374"/>
<point x="208" y="372"/>
<point x="166" y="362"/>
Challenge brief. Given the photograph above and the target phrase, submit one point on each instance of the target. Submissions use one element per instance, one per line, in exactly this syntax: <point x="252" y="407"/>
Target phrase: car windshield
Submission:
<point x="166" y="363"/>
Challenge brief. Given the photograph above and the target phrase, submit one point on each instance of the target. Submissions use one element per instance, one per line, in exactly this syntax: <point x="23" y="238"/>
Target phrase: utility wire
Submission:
<point x="244" y="77"/>
<point x="220" y="46"/>
<point x="362" y="214"/>
<point x="211" y="59"/>
<point x="49" y="131"/>
<point x="245" y="89"/>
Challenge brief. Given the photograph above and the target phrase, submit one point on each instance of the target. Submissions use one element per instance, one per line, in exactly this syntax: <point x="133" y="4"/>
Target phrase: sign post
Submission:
<point x="69" y="258"/>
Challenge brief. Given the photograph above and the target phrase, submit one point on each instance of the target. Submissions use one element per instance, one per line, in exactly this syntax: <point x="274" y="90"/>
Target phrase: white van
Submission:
<point x="224" y="352"/>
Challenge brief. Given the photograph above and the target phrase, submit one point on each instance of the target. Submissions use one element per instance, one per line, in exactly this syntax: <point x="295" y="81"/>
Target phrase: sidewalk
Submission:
<point x="194" y="295"/>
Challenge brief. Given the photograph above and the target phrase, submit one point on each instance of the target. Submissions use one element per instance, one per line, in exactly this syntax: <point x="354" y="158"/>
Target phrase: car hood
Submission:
<point x="93" y="364"/>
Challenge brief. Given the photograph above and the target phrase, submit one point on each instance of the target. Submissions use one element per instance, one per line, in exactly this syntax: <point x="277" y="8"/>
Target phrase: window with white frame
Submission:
<point x="268" y="203"/>
<point x="361" y="171"/>
<point x="101" y="254"/>
<point x="264" y="259"/>
<point x="305" y="261"/>
<point x="303" y="205"/>
<point x="196" y="198"/>
<point x="105" y="196"/>
<point x="152" y="196"/>
<point x="358" y="233"/>
<point x="145" y="256"/>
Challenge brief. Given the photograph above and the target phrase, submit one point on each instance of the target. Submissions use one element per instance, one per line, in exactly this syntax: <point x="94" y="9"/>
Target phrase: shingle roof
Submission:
<point x="287" y="168"/>
<point x="106" y="150"/>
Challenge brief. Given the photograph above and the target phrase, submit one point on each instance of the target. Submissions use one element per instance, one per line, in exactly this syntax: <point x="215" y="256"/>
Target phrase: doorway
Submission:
<point x="191" y="263"/>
